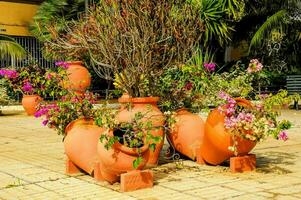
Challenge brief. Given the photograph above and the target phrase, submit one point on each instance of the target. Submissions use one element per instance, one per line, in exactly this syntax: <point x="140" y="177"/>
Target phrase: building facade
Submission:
<point x="15" y="17"/>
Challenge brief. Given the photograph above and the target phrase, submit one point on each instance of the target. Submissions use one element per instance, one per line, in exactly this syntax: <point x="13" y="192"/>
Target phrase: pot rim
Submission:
<point x="142" y="100"/>
<point x="72" y="123"/>
<point x="31" y="95"/>
<point x="76" y="62"/>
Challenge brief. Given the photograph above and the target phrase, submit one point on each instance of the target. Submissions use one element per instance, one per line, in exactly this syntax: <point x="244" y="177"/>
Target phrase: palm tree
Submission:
<point x="280" y="15"/>
<point x="9" y="47"/>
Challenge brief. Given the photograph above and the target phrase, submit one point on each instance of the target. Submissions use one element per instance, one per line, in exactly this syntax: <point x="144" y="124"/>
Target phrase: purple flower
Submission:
<point x="209" y="66"/>
<point x="62" y="64"/>
<point x="7" y="73"/>
<point x="27" y="87"/>
<point x="49" y="76"/>
<point x="45" y="122"/>
<point x="283" y="136"/>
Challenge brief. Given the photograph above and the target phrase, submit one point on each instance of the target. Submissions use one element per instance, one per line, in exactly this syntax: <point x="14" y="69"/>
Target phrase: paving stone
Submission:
<point x="32" y="166"/>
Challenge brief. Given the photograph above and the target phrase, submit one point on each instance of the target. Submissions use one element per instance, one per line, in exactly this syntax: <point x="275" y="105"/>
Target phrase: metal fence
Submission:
<point x="34" y="49"/>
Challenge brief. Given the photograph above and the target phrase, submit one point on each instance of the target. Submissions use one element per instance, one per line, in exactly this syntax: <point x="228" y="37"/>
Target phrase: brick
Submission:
<point x="71" y="168"/>
<point x="199" y="158"/>
<point x="135" y="180"/>
<point x="243" y="163"/>
<point x="97" y="173"/>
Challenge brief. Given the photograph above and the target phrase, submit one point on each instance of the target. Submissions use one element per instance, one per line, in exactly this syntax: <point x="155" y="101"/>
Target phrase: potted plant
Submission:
<point x="73" y="117"/>
<point x="133" y="45"/>
<point x="77" y="77"/>
<point x="236" y="126"/>
<point x="124" y="146"/>
<point x="30" y="81"/>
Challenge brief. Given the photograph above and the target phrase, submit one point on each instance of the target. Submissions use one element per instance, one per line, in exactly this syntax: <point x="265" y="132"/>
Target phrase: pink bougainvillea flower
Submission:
<point x="283" y="135"/>
<point x="62" y="64"/>
<point x="27" y="87"/>
<point x="210" y="66"/>
<point x="254" y="66"/>
<point x="8" y="73"/>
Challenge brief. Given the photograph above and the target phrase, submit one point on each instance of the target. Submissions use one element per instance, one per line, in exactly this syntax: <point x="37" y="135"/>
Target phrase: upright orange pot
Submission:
<point x="79" y="78"/>
<point x="147" y="106"/>
<point x="187" y="133"/>
<point x="119" y="159"/>
<point x="30" y="102"/>
<point x="217" y="140"/>
<point x="82" y="136"/>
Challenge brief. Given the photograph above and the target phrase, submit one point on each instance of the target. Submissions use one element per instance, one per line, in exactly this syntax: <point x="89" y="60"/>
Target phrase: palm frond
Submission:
<point x="276" y="20"/>
<point x="9" y="47"/>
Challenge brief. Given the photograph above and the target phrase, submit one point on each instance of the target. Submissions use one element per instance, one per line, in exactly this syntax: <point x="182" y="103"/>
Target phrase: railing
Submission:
<point x="34" y="49"/>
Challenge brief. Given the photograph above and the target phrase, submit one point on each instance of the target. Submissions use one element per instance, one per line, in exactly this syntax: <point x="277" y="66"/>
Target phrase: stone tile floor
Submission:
<point x="32" y="166"/>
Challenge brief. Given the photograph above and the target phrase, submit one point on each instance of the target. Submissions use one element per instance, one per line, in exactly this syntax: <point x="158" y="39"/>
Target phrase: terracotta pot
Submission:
<point x="82" y="136"/>
<point x="187" y="135"/>
<point x="216" y="141"/>
<point x="147" y="106"/>
<point x="118" y="160"/>
<point x="79" y="78"/>
<point x="30" y="102"/>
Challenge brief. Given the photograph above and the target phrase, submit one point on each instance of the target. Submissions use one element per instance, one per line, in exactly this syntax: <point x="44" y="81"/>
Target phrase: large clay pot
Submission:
<point x="187" y="134"/>
<point x="30" y="102"/>
<point x="82" y="136"/>
<point x="79" y="78"/>
<point x="147" y="106"/>
<point x="119" y="159"/>
<point x="216" y="141"/>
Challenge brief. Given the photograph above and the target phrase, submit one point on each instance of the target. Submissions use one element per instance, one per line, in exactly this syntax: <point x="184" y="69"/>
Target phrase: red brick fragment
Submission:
<point x="97" y="173"/>
<point x="243" y="163"/>
<point x="71" y="168"/>
<point x="135" y="180"/>
<point x="199" y="158"/>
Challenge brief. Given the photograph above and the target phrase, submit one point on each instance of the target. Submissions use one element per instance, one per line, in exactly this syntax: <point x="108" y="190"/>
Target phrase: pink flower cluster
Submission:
<point x="62" y="64"/>
<point x="8" y="73"/>
<point x="44" y="110"/>
<point x="210" y="66"/>
<point x="228" y="108"/>
<point x="283" y="136"/>
<point x="27" y="87"/>
<point x="254" y="66"/>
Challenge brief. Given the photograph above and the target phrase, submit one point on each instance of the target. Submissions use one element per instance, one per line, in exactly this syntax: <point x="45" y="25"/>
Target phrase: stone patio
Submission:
<point x="32" y="166"/>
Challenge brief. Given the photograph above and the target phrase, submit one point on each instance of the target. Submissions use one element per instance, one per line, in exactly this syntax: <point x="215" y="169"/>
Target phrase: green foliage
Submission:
<point x="275" y="20"/>
<point x="213" y="13"/>
<point x="279" y="99"/>
<point x="51" y="16"/>
<point x="4" y="98"/>
<point x="8" y="46"/>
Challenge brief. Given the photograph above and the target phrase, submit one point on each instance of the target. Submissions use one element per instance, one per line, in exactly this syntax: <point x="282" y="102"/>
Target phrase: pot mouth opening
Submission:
<point x="123" y="141"/>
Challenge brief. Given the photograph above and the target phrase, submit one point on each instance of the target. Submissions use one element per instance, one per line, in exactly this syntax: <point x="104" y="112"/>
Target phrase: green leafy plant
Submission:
<point x="9" y="47"/>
